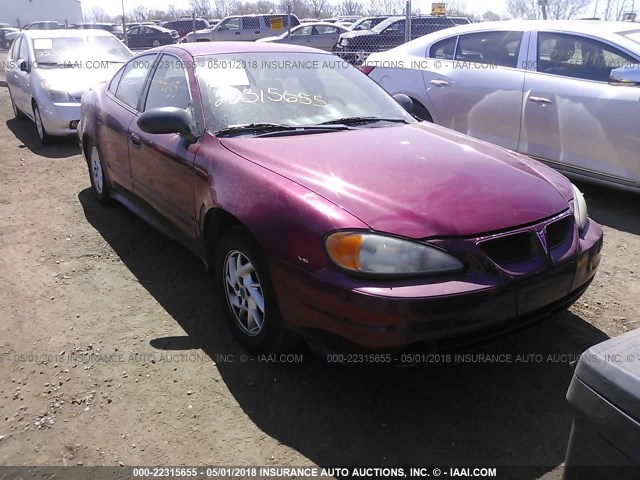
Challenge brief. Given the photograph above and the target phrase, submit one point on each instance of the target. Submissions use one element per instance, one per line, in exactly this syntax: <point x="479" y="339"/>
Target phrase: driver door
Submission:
<point x="163" y="165"/>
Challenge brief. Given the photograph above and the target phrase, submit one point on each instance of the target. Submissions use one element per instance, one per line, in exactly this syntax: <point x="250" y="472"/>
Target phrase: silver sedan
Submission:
<point x="49" y="70"/>
<point x="322" y="35"/>
<point x="564" y="92"/>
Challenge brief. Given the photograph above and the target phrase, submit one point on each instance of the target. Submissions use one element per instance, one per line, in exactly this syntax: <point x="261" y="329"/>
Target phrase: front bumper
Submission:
<point x="376" y="315"/>
<point x="58" y="118"/>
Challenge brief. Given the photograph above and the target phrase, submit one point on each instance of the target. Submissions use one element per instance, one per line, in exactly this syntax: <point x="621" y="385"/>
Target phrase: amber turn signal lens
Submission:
<point x="344" y="249"/>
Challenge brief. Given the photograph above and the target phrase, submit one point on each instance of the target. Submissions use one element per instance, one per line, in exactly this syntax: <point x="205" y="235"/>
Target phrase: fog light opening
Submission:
<point x="73" y="125"/>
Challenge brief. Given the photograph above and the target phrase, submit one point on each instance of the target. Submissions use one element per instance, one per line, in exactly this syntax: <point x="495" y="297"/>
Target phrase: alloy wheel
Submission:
<point x="244" y="293"/>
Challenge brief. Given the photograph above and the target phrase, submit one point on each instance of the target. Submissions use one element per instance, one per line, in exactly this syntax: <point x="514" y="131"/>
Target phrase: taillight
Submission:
<point x="366" y="69"/>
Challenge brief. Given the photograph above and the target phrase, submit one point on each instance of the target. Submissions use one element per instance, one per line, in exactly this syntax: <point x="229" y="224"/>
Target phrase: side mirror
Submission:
<point x="625" y="76"/>
<point x="404" y="101"/>
<point x="23" y="65"/>
<point x="167" y="120"/>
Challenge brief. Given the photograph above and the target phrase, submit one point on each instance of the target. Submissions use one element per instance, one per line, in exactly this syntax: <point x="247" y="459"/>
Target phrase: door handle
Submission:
<point x="440" y="83"/>
<point x="237" y="33"/>
<point x="257" y="32"/>
<point x="541" y="100"/>
<point x="136" y="141"/>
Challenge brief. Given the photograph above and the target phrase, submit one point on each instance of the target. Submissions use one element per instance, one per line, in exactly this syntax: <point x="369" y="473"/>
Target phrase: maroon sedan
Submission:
<point x="323" y="208"/>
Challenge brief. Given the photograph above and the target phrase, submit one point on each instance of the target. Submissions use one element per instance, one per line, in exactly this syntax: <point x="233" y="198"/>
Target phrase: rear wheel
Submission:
<point x="247" y="295"/>
<point x="97" y="175"/>
<point x="421" y="112"/>
<point x="45" y="138"/>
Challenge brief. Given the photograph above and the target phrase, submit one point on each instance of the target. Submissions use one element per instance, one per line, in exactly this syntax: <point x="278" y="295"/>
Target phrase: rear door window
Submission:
<point x="494" y="48"/>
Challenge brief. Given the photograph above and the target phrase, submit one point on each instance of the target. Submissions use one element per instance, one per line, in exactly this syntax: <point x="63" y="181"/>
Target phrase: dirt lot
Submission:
<point x="81" y="282"/>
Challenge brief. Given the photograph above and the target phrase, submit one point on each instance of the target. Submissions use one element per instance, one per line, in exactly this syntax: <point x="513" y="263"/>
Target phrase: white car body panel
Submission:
<point x="585" y="128"/>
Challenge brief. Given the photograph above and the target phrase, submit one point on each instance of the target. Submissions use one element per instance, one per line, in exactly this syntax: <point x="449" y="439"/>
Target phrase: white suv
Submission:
<point x="245" y="28"/>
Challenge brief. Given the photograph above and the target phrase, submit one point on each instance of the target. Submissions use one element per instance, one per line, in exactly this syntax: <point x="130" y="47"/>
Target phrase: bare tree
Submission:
<point x="491" y="16"/>
<point x="140" y="13"/>
<point x="224" y="8"/>
<point x="202" y="8"/>
<point x="97" y="14"/>
<point x="457" y="8"/>
<point x="386" y="7"/>
<point x="526" y="9"/>
<point x="174" y="13"/>
<point x="556" y="9"/>
<point x="350" y="7"/>
<point x="317" y="7"/>
<point x="614" y="9"/>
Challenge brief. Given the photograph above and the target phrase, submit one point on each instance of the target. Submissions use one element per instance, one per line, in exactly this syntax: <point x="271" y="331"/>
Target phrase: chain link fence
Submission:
<point x="356" y="46"/>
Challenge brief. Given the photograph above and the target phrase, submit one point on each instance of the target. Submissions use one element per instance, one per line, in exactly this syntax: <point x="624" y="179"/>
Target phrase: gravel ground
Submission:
<point x="136" y="368"/>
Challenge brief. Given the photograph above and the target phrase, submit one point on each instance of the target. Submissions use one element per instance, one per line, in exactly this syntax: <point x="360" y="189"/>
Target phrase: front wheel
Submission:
<point x="247" y="296"/>
<point x="45" y="138"/>
<point x="155" y="43"/>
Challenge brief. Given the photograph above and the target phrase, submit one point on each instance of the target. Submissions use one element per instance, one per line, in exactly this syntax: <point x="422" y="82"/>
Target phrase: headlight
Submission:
<point x="55" y="95"/>
<point x="579" y="208"/>
<point x="375" y="254"/>
<point x="344" y="42"/>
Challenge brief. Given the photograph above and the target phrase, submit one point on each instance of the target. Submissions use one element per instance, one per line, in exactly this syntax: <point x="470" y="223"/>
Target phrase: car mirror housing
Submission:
<point x="404" y="101"/>
<point x="167" y="120"/>
<point x="629" y="77"/>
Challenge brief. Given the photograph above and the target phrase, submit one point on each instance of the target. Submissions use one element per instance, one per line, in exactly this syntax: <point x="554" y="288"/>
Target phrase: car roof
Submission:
<point x="577" y="26"/>
<point x="306" y="24"/>
<point x="212" y="48"/>
<point x="66" y="33"/>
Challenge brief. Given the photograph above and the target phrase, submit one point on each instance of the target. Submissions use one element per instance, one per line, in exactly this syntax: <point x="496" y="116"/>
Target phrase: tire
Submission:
<point x="248" y="300"/>
<point x="155" y="43"/>
<point x="45" y="138"/>
<point x="17" y="113"/>
<point x="421" y="112"/>
<point x="99" y="183"/>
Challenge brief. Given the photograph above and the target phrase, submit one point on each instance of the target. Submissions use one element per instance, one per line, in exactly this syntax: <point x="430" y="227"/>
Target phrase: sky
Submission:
<point x="113" y="7"/>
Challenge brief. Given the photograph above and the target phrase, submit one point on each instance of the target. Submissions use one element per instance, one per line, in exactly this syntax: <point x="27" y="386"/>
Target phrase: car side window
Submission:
<point x="113" y="85"/>
<point x="303" y="31"/>
<point x="444" y="49"/>
<point x="230" y="24"/>
<point x="251" y="23"/>
<point x="396" y="27"/>
<point x="24" y="49"/>
<point x="169" y="85"/>
<point x="326" y="30"/>
<point x="578" y="57"/>
<point x="494" y="48"/>
<point x="15" y="52"/>
<point x="134" y="31"/>
<point x="133" y="79"/>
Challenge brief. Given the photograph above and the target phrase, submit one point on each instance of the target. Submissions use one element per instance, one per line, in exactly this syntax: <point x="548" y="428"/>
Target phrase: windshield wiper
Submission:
<point x="276" y="127"/>
<point x="356" y="120"/>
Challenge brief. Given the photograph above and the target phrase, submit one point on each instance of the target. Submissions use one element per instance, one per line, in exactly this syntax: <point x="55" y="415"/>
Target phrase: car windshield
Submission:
<point x="384" y="24"/>
<point x="76" y="49"/>
<point x="635" y="36"/>
<point x="292" y="89"/>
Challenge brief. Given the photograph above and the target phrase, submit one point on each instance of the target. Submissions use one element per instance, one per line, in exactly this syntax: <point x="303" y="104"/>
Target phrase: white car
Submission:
<point x="564" y="92"/>
<point x="245" y="28"/>
<point x="322" y="35"/>
<point x="49" y="70"/>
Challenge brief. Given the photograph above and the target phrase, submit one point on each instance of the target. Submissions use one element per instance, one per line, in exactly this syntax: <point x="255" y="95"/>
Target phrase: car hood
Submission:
<point x="416" y="180"/>
<point x="76" y="81"/>
<point x="357" y="33"/>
